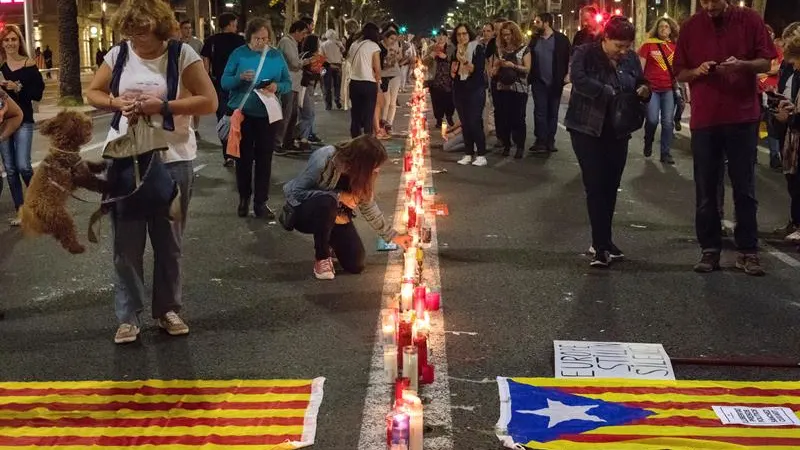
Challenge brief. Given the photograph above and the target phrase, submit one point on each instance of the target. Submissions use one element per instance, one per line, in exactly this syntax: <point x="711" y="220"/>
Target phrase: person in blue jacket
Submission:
<point x="258" y="134"/>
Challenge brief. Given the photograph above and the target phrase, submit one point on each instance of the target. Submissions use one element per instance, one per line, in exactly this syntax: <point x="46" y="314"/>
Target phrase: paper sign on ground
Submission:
<point x="270" y="101"/>
<point x="580" y="359"/>
<point x="760" y="417"/>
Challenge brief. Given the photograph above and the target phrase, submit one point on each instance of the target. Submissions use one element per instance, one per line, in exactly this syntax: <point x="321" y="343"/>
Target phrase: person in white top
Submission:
<point x="188" y="37"/>
<point x="143" y="93"/>
<point x="365" y="75"/>
<point x="332" y="50"/>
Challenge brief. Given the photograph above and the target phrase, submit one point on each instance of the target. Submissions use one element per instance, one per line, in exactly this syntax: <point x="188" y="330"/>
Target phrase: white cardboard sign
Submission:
<point x="581" y="359"/>
<point x="759" y="417"/>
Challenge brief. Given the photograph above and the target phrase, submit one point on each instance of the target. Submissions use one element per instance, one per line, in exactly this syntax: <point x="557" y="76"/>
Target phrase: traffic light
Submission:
<point x="435" y="32"/>
<point x="617" y="12"/>
<point x="403" y="29"/>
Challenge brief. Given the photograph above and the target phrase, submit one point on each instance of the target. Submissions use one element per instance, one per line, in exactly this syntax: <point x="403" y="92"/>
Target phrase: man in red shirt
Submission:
<point x="720" y="51"/>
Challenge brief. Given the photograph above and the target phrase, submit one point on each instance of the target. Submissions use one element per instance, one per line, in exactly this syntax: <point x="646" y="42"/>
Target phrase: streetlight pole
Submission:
<point x="103" y="26"/>
<point x="27" y="10"/>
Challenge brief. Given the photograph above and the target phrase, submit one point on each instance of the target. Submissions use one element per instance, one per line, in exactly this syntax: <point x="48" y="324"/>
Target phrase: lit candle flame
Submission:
<point x="444" y="130"/>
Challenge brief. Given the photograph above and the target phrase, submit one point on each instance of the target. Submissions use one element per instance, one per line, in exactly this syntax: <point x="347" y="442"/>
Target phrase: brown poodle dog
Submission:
<point x="58" y="176"/>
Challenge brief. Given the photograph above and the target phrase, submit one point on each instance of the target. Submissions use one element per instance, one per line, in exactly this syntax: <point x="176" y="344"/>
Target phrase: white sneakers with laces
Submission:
<point x="479" y="161"/>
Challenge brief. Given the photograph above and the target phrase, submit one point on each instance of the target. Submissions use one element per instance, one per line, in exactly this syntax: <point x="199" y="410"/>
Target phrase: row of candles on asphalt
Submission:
<point x="406" y="325"/>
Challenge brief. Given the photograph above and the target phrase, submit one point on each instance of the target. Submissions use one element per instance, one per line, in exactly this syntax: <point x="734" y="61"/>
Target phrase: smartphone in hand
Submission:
<point x="263" y="83"/>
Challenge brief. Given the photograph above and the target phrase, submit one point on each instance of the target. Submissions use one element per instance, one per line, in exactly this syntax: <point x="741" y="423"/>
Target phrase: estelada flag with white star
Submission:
<point x="621" y="414"/>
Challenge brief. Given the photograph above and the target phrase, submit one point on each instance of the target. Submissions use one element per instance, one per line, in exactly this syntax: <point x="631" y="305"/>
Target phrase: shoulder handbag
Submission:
<point x="224" y="124"/>
<point x="627" y="113"/>
<point x="677" y="90"/>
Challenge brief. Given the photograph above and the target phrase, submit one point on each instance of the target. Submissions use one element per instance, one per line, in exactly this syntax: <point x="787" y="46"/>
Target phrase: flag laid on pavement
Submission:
<point x="572" y="414"/>
<point x="157" y="414"/>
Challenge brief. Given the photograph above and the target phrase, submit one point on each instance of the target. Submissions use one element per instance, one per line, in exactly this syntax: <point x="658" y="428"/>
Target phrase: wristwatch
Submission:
<point x="165" y="111"/>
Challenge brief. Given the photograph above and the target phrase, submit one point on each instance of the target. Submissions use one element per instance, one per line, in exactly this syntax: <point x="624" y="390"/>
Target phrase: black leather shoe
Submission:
<point x="244" y="207"/>
<point x="262" y="211"/>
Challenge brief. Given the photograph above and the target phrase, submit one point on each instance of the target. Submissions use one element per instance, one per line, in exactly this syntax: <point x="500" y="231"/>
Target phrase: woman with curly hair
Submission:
<point x="142" y="90"/>
<point x="656" y="56"/>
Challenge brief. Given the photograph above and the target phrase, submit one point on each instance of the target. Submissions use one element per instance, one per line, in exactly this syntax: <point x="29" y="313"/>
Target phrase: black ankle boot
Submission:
<point x="244" y="207"/>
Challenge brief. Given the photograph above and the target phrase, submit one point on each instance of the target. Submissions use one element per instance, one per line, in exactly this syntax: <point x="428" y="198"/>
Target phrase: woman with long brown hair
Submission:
<point x="510" y="73"/>
<point x="24" y="84"/>
<point x="337" y="180"/>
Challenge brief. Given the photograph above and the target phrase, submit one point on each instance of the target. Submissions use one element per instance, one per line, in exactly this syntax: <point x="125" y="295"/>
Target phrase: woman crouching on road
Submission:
<point x="337" y="180"/>
<point x="607" y="104"/>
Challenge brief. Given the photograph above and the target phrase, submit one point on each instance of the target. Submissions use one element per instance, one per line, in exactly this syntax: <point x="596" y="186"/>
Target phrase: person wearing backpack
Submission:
<point x="510" y="72"/>
<point x="151" y="77"/>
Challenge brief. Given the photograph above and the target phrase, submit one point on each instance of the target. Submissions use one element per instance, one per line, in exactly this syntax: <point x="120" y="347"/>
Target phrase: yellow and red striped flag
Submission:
<point x="582" y="414"/>
<point x="158" y="414"/>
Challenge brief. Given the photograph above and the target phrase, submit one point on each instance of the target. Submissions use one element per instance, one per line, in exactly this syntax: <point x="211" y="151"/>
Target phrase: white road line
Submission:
<point x="438" y="414"/>
<point x="83" y="150"/>
<point x="791" y="262"/>
<point x="199" y="168"/>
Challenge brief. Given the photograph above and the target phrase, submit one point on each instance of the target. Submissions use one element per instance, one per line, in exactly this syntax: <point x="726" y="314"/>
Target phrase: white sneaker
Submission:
<point x="465" y="160"/>
<point x="480" y="161"/>
<point x="794" y="237"/>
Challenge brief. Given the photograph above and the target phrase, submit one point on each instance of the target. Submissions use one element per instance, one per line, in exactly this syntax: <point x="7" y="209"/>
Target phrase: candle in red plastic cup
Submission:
<point x="432" y="301"/>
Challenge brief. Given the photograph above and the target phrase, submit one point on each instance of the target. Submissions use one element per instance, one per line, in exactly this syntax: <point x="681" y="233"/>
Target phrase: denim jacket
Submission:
<point x="314" y="182"/>
<point x="594" y="82"/>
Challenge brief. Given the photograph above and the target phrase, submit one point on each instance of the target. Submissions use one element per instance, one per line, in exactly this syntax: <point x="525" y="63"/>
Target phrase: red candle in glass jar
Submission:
<point x="422" y="350"/>
<point x="401" y="385"/>
<point x="432" y="301"/>
<point x="404" y="332"/>
<point x="407" y="162"/>
<point x="419" y="300"/>
<point x="427" y="375"/>
<point x="412" y="217"/>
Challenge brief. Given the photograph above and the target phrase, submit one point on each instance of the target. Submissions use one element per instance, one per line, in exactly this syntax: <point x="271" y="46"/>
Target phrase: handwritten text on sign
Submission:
<point x="579" y="359"/>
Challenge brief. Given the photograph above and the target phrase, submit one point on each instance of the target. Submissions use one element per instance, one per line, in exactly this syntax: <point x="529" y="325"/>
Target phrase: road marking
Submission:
<point x="791" y="262"/>
<point x="438" y="413"/>
<point x="83" y="150"/>
<point x="467" y="380"/>
<point x="459" y="333"/>
<point x="199" y="168"/>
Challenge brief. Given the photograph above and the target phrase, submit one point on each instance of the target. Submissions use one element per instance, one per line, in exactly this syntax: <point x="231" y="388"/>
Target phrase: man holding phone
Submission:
<point x="719" y="52"/>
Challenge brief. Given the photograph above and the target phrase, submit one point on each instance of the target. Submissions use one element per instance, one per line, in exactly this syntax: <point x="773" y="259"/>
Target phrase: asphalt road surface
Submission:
<point x="513" y="275"/>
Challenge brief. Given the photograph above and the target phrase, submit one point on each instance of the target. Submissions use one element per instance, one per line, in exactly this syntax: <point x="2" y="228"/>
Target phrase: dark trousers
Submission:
<point x="711" y="147"/>
<point x="317" y="216"/>
<point x="222" y="106"/>
<point x="332" y="83"/>
<point x="256" y="148"/>
<point x="284" y="129"/>
<point x="546" y="101"/>
<point x="602" y="160"/>
<point x="469" y="104"/>
<point x="793" y="186"/>
<point x="510" y="124"/>
<point x="363" y="97"/>
<point x="443" y="106"/>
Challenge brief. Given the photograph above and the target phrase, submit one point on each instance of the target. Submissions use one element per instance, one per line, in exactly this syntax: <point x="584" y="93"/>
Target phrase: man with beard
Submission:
<point x="590" y="27"/>
<point x="550" y="50"/>
<point x="719" y="52"/>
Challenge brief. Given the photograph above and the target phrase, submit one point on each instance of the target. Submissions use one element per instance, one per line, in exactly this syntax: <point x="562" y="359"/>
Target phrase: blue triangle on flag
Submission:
<point x="544" y="414"/>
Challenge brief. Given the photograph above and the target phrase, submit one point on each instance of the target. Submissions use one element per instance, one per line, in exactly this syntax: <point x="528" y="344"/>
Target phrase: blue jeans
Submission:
<point x="546" y="102"/>
<point x="16" y="152"/>
<point x="305" y="124"/>
<point x="661" y="104"/>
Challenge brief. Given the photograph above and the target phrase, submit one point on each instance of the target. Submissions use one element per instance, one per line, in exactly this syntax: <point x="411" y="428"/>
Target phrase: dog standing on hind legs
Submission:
<point x="60" y="173"/>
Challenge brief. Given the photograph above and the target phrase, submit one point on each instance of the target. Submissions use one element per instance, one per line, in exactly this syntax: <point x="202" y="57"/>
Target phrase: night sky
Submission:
<point x="420" y="16"/>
